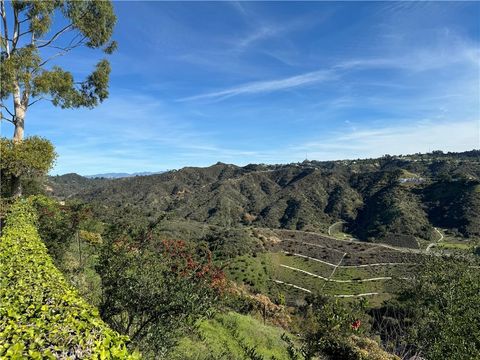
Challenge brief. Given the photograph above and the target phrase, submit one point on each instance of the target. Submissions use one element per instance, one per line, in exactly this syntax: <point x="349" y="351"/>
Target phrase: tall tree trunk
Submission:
<point x="18" y="135"/>
<point x="19" y="129"/>
<point x="20" y="108"/>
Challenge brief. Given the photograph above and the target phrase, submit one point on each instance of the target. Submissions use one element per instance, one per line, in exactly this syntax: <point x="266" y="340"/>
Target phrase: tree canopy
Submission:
<point x="30" y="159"/>
<point x="29" y="49"/>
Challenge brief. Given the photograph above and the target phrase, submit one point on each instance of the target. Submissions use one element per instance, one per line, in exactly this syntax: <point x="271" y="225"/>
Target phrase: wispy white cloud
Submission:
<point x="419" y="60"/>
<point x="260" y="27"/>
<point x="450" y="50"/>
<point x="263" y="32"/>
<point x="268" y="85"/>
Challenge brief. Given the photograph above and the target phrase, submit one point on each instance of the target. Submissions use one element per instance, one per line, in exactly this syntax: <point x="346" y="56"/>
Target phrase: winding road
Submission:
<point x="331" y="226"/>
<point x="436" y="242"/>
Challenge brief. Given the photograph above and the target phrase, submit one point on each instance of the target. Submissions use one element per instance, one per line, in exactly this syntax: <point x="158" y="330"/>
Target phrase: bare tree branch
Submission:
<point x="25" y="33"/>
<point x="75" y="38"/>
<point x="69" y="47"/>
<point x="28" y="18"/>
<point x="39" y="99"/>
<point x="63" y="51"/>
<point x="54" y="37"/>
<point x="6" y="108"/>
<point x="16" y="28"/>
<point x="5" y="26"/>
<point x="36" y="100"/>
<point x="12" y="120"/>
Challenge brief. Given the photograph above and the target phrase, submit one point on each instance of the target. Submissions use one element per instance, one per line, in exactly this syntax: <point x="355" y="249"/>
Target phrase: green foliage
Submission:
<point x="55" y="225"/>
<point x="328" y="324"/>
<point x="232" y="336"/>
<point x="227" y="243"/>
<point x="253" y="272"/>
<point x="336" y="330"/>
<point x="69" y="185"/>
<point x="32" y="157"/>
<point x="455" y="205"/>
<point x="443" y="306"/>
<point x="390" y="211"/>
<point x="72" y="236"/>
<point x="93" y="19"/>
<point x="41" y="316"/>
<point x="152" y="289"/>
<point x="64" y="94"/>
<point x="89" y="23"/>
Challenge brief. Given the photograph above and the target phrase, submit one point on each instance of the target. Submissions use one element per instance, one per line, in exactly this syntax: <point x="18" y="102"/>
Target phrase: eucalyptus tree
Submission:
<point x="34" y="35"/>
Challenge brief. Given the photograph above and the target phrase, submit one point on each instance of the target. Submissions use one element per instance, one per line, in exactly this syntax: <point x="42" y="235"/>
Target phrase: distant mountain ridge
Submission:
<point x="122" y="175"/>
<point x="393" y="198"/>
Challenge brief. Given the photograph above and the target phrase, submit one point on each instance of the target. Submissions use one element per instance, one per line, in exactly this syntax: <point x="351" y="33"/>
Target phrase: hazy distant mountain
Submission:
<point x="121" y="175"/>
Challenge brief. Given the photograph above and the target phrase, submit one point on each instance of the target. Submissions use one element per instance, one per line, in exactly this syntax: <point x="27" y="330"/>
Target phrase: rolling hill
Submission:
<point x="398" y="200"/>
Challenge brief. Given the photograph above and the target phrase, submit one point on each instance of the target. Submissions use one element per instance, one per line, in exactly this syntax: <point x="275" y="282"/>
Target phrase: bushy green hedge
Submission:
<point x="41" y="315"/>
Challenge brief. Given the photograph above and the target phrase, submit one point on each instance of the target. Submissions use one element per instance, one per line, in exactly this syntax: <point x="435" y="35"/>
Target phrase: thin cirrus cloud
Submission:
<point x="267" y="86"/>
<point x="416" y="61"/>
<point x="421" y="59"/>
<point x="262" y="33"/>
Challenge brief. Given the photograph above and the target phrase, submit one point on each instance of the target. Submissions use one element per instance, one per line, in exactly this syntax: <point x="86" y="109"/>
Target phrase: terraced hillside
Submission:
<point x="299" y="263"/>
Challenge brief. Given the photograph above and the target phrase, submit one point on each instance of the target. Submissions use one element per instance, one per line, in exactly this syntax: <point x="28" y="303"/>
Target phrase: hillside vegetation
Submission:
<point x="232" y="336"/>
<point x="391" y="199"/>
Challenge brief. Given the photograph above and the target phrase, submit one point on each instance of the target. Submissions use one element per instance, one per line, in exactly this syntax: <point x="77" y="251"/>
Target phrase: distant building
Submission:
<point x="414" y="180"/>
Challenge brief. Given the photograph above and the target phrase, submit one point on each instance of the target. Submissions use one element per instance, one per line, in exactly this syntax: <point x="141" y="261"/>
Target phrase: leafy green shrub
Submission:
<point x="337" y="330"/>
<point x="155" y="289"/>
<point x="29" y="159"/>
<point x="442" y="303"/>
<point x="55" y="225"/>
<point x="436" y="315"/>
<point x="227" y="243"/>
<point x="41" y="316"/>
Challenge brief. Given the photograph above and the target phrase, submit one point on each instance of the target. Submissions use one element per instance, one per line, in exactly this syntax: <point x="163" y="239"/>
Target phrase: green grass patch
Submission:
<point x="353" y="273"/>
<point x="455" y="245"/>
<point x="228" y="337"/>
<point x="254" y="272"/>
<point x="312" y="266"/>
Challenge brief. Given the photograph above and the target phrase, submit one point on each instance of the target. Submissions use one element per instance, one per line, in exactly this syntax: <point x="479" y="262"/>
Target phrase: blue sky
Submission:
<point x="267" y="82"/>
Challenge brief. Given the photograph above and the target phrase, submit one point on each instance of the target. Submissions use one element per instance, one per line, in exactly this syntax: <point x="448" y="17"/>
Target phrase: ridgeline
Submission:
<point x="390" y="199"/>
